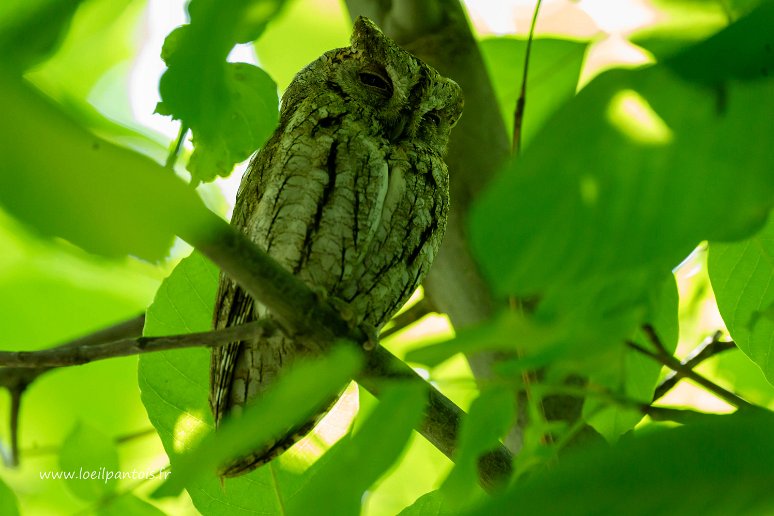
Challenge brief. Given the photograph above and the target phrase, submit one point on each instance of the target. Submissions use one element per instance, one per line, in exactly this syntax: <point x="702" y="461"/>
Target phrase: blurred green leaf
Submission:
<point x="8" y="503"/>
<point x="429" y="504"/>
<point x="92" y="73"/>
<point x="105" y="198"/>
<point x="297" y="395"/>
<point x="716" y="467"/>
<point x="90" y="457"/>
<point x="680" y="23"/>
<point x="324" y="25"/>
<point x="128" y="505"/>
<point x="741" y="275"/>
<point x="554" y="69"/>
<point x="231" y="108"/>
<point x="623" y="182"/>
<point x="714" y="62"/>
<point x="488" y="421"/>
<point x="31" y="30"/>
<point x="632" y="374"/>
<point x="175" y="387"/>
<point x="354" y="464"/>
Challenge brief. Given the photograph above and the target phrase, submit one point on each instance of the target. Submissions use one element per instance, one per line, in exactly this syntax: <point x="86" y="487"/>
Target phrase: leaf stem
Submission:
<point x="518" y="116"/>
<point x="174" y="151"/>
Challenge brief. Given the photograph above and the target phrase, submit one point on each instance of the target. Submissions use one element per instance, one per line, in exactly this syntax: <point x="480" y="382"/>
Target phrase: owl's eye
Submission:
<point x="376" y="81"/>
<point x="433" y="118"/>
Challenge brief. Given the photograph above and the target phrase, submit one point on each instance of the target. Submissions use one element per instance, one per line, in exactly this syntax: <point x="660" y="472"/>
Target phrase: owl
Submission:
<point x="350" y="194"/>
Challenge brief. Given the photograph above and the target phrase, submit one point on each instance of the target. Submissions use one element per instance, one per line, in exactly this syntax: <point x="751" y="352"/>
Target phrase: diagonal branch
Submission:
<point x="709" y="348"/>
<point x="300" y="313"/>
<point x="663" y="356"/>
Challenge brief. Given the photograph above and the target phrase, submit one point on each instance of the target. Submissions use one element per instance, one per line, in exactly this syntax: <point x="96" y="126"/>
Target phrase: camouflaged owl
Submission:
<point x="350" y="194"/>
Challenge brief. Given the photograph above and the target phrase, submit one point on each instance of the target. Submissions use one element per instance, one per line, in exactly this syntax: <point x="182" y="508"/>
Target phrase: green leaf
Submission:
<point x="710" y="63"/>
<point x="8" y="503"/>
<point x="488" y="420"/>
<point x="717" y="467"/>
<point x="252" y="118"/>
<point x="554" y="69"/>
<point x="24" y="40"/>
<point x="741" y="274"/>
<point x="297" y="395"/>
<point x="429" y="504"/>
<point x="128" y="505"/>
<point x="231" y="108"/>
<point x="354" y="464"/>
<point x="104" y="198"/>
<point x="632" y="374"/>
<point x="175" y="387"/>
<point x="619" y="187"/>
<point x="91" y="459"/>
<point x="680" y="23"/>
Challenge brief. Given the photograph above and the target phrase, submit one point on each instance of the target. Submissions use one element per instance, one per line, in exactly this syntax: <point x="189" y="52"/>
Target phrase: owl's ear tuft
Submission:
<point x="367" y="37"/>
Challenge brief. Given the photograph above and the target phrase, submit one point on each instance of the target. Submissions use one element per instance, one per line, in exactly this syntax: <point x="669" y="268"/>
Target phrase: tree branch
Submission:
<point x="298" y="310"/>
<point x="662" y="356"/>
<point x="320" y="325"/>
<point x="71" y="355"/>
<point x="709" y="348"/>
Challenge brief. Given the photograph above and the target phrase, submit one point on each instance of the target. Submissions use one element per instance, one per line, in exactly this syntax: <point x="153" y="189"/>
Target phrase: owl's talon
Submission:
<point x="348" y="314"/>
<point x="343" y="308"/>
<point x="373" y="336"/>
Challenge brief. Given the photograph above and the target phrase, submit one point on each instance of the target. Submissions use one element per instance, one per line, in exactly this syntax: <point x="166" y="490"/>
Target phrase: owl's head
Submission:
<point x="408" y="99"/>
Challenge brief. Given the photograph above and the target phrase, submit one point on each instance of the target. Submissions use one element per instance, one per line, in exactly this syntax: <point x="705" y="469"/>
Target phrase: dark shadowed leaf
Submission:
<point x="31" y="30"/>
<point x="625" y="180"/>
<point x="717" y="467"/>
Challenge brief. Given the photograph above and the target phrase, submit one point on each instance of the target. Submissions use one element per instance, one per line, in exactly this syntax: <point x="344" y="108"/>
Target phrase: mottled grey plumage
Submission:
<point x="350" y="194"/>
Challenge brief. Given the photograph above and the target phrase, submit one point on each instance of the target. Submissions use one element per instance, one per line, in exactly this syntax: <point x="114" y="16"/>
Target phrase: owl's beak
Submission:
<point x="397" y="129"/>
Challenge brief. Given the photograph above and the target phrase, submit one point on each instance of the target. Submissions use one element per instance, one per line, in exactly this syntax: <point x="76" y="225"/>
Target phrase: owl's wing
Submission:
<point x="313" y="202"/>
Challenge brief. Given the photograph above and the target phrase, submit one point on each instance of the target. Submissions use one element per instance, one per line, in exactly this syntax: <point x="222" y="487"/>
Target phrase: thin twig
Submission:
<point x="518" y="116"/>
<point x="16" y="396"/>
<point x="174" y="151"/>
<point x="663" y="357"/>
<point x="299" y="312"/>
<point x="709" y="348"/>
<point x="69" y="355"/>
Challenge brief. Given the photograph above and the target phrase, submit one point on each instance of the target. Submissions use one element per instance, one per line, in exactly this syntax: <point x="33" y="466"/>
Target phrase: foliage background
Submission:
<point x="105" y="74"/>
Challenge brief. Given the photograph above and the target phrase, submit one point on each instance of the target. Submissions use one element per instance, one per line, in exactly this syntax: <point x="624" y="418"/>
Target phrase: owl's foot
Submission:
<point x="345" y="311"/>
<point x="373" y="335"/>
